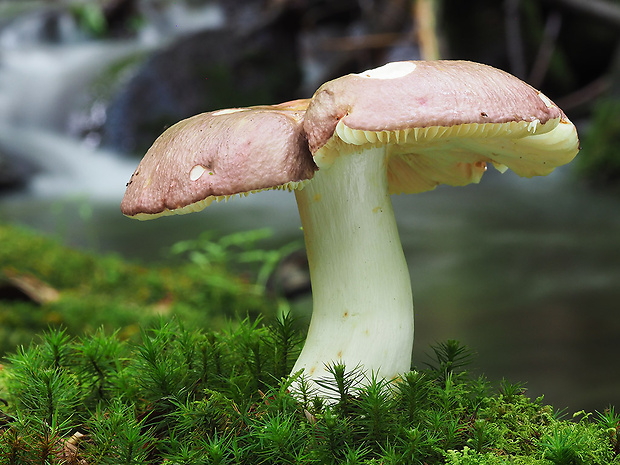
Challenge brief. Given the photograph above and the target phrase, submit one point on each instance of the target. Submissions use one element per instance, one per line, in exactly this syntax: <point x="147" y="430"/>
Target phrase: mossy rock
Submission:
<point x="96" y="291"/>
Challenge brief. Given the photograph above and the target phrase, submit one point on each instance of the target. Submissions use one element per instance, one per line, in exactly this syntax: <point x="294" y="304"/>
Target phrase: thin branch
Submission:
<point x="586" y="94"/>
<point x="425" y="18"/>
<point x="514" y="40"/>
<point x="546" y="49"/>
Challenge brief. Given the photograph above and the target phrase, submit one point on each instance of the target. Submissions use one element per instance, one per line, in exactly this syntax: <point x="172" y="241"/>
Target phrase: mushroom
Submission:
<point x="213" y="156"/>
<point x="405" y="127"/>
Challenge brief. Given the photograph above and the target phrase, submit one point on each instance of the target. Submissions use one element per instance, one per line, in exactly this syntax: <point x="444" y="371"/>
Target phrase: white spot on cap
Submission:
<point x="546" y="100"/>
<point x="390" y="71"/>
<point x="196" y="172"/>
<point x="227" y="111"/>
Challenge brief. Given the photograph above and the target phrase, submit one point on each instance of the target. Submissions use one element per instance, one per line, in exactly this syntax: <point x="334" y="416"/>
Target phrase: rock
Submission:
<point x="15" y="172"/>
<point x="202" y="72"/>
<point x="119" y="15"/>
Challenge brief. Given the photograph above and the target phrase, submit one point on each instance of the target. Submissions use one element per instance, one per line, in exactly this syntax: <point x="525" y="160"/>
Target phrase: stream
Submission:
<point x="524" y="271"/>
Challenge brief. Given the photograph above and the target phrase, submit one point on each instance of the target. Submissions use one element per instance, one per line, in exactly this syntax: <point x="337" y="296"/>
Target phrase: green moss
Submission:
<point x="129" y="378"/>
<point x="187" y="396"/>
<point x="106" y="291"/>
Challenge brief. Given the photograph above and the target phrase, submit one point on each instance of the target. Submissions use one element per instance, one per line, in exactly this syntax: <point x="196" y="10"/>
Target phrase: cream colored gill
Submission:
<point x="432" y="135"/>
<point x="204" y="203"/>
<point x="423" y="172"/>
<point x="530" y="155"/>
<point x="533" y="155"/>
<point x="392" y="70"/>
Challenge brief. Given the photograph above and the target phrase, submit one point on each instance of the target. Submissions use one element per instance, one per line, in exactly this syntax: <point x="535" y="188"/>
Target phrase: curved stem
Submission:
<point x="363" y="307"/>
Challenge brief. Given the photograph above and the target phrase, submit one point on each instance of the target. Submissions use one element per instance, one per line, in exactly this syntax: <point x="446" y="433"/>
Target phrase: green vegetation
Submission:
<point x="599" y="161"/>
<point x="90" y="16"/>
<point x="119" y="374"/>
<point x="105" y="291"/>
<point x="183" y="396"/>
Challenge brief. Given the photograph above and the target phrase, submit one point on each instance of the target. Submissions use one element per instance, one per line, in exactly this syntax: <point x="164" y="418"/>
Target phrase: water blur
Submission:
<point x="525" y="271"/>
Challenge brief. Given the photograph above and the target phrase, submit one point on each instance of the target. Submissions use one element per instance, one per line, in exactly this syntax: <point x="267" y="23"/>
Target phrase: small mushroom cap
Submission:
<point x="215" y="155"/>
<point x="442" y="122"/>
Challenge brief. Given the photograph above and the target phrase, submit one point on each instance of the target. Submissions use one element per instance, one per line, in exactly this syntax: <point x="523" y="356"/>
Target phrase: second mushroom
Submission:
<point x="405" y="127"/>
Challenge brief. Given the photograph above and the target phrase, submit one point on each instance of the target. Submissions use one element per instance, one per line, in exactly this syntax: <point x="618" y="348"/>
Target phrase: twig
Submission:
<point x="31" y="287"/>
<point x="586" y="94"/>
<point x="514" y="41"/>
<point x="425" y="17"/>
<point x="546" y="49"/>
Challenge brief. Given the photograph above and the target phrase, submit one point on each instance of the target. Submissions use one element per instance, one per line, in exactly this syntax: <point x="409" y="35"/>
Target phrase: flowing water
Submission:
<point x="525" y="271"/>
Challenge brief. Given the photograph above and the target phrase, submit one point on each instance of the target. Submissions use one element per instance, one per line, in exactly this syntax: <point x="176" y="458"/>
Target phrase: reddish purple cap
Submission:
<point x="441" y="121"/>
<point x="215" y="155"/>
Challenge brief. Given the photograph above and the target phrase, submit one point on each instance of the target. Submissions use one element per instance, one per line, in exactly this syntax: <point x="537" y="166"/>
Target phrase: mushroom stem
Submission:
<point x="363" y="307"/>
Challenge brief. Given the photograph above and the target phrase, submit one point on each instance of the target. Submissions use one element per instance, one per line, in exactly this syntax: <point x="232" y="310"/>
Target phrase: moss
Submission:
<point x="129" y="379"/>
<point x="188" y="396"/>
<point x="106" y="291"/>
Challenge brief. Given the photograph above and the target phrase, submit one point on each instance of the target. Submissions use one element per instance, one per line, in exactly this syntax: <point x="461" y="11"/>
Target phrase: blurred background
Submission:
<point x="524" y="271"/>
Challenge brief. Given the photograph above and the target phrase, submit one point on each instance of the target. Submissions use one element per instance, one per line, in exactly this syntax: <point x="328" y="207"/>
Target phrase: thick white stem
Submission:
<point x="362" y="303"/>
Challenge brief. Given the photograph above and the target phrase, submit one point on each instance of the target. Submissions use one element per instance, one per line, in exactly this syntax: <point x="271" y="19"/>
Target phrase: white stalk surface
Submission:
<point x="362" y="301"/>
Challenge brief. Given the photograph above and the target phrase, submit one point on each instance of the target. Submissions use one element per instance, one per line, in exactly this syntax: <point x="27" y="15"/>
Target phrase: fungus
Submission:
<point x="405" y="127"/>
<point x="213" y="156"/>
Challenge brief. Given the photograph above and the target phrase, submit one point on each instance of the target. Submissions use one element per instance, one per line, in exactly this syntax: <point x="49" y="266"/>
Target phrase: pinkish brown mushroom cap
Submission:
<point x="442" y="122"/>
<point x="215" y="155"/>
